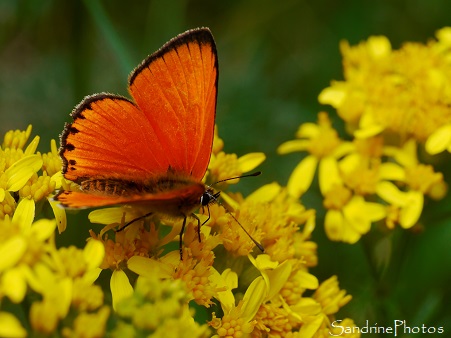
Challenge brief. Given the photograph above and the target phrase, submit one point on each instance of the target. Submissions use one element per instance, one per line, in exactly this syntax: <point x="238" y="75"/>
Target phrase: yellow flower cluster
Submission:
<point x="247" y="292"/>
<point x="60" y="281"/>
<point x="157" y="309"/>
<point x="405" y="92"/>
<point x="269" y="295"/>
<point x="394" y="103"/>
<point x="28" y="178"/>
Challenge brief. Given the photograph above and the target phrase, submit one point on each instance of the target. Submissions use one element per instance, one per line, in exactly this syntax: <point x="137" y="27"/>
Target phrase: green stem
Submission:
<point x="101" y="20"/>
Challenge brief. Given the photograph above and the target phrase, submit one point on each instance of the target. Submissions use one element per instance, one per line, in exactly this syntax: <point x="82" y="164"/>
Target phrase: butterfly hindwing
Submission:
<point x="171" y="202"/>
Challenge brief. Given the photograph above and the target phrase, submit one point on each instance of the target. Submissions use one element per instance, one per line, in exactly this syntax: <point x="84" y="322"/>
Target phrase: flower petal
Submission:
<point x="412" y="211"/>
<point x="328" y="174"/>
<point x="94" y="252"/>
<point x="31" y="148"/>
<point x="292" y="146"/>
<point x="120" y="287"/>
<point x="250" y="161"/>
<point x="42" y="229"/>
<point x="228" y="280"/>
<point x="391" y="194"/>
<point x="265" y="193"/>
<point x="253" y="298"/>
<point x="60" y="214"/>
<point x="149" y="267"/>
<point x="24" y="214"/>
<point x="334" y="95"/>
<point x="277" y="278"/>
<point x="15" y="285"/>
<point x="302" y="176"/>
<point x="439" y="140"/>
<point x="333" y="225"/>
<point x="11" y="251"/>
<point x="20" y="172"/>
<point x="10" y="326"/>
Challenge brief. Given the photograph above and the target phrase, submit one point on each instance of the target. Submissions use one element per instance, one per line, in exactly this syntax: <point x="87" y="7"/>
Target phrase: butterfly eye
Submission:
<point x="209" y="197"/>
<point x="205" y="199"/>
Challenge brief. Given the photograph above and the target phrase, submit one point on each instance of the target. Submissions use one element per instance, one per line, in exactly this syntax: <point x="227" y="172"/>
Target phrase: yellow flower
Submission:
<point x="133" y="240"/>
<point x="19" y="174"/>
<point x="405" y="91"/>
<point x="238" y="320"/>
<point x="330" y="299"/>
<point x="224" y="166"/>
<point x="21" y="249"/>
<point x="270" y="215"/>
<point x="166" y="301"/>
<point x="15" y="177"/>
<point x="330" y="296"/>
<point x="349" y="217"/>
<point x="88" y="325"/>
<point x="51" y="161"/>
<point x="138" y="249"/>
<point x="418" y="180"/>
<point x="324" y="146"/>
<point x="353" y="175"/>
<point x="57" y="281"/>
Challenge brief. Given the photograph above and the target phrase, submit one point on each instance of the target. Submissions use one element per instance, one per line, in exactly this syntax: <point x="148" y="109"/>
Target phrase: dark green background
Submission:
<point x="274" y="58"/>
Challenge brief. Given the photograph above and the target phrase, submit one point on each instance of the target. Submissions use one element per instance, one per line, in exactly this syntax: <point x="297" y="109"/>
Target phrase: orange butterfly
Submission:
<point x="153" y="151"/>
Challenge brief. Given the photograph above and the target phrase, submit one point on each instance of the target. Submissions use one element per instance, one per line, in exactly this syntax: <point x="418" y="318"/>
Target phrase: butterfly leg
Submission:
<point x="198" y="226"/>
<point x="134" y="220"/>
<point x="181" y="238"/>
<point x="208" y="218"/>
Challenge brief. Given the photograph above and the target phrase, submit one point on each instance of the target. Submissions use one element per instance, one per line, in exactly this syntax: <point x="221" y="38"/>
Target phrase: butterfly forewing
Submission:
<point x="110" y="138"/>
<point x="176" y="88"/>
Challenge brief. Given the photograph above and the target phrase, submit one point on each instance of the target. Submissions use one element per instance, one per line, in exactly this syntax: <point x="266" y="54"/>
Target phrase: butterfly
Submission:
<point x="153" y="150"/>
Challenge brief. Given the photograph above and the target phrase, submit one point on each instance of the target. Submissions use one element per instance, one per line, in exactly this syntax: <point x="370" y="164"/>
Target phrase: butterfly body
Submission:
<point x="152" y="150"/>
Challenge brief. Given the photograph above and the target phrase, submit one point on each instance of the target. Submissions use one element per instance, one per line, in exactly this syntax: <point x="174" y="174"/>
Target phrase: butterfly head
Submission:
<point x="209" y="197"/>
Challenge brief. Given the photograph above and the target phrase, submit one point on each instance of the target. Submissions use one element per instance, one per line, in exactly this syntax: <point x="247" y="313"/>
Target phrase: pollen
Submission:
<point x="273" y="319"/>
<point x="16" y="139"/>
<point x="86" y="296"/>
<point x="51" y="160"/>
<point x="9" y="156"/>
<point x="364" y="178"/>
<point x="38" y="187"/>
<point x="7" y="206"/>
<point x="195" y="274"/>
<point x="72" y="261"/>
<point x="228" y="326"/>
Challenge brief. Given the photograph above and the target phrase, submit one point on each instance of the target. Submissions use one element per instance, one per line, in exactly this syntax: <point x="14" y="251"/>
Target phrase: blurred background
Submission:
<point x="274" y="59"/>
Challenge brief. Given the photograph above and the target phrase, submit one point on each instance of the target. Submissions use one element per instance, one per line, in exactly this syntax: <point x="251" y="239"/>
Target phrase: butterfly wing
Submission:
<point x="176" y="89"/>
<point x="168" y="129"/>
<point x="110" y="138"/>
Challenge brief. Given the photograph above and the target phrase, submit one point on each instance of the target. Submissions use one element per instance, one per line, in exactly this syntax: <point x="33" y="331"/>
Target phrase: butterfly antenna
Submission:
<point x="257" y="173"/>
<point x="257" y="244"/>
<point x="215" y="198"/>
